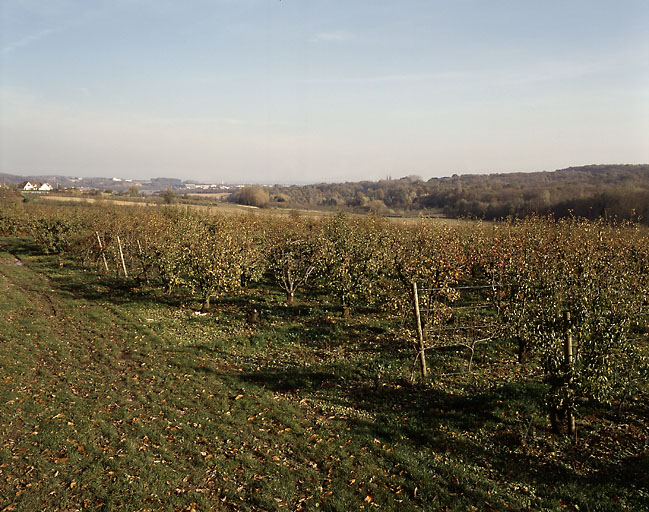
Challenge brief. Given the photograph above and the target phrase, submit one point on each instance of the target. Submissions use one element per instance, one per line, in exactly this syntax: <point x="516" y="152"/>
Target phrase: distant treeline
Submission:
<point x="594" y="191"/>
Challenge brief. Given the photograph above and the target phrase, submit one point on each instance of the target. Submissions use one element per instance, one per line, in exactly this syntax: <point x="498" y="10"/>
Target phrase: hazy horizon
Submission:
<point x="122" y="178"/>
<point x="270" y="91"/>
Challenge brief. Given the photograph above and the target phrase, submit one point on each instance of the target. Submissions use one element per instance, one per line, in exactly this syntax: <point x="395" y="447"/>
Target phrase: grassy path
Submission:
<point x="117" y="398"/>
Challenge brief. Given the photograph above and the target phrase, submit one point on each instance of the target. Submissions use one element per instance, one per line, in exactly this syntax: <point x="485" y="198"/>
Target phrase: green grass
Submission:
<point x="114" y="397"/>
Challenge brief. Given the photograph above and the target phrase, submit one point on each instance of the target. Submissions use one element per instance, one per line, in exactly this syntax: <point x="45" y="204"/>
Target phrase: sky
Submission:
<point x="299" y="91"/>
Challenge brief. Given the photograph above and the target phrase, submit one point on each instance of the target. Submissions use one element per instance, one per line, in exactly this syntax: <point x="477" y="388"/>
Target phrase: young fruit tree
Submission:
<point x="354" y="258"/>
<point x="428" y="260"/>
<point x="293" y="251"/>
<point x="584" y="303"/>
<point x="211" y="257"/>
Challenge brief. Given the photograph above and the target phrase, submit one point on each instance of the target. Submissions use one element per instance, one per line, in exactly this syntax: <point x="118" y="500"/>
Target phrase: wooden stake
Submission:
<point x="101" y="248"/>
<point x="569" y="358"/>
<point x="420" y="333"/>
<point x="121" y="255"/>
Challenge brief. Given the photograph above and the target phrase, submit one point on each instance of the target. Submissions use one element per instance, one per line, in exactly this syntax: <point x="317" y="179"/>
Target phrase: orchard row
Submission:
<point x="548" y="280"/>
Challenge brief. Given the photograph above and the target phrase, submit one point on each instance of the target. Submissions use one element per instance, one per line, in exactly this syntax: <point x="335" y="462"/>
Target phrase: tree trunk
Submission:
<point x="522" y="352"/>
<point x="290" y="295"/>
<point x="206" y="304"/>
<point x="556" y="420"/>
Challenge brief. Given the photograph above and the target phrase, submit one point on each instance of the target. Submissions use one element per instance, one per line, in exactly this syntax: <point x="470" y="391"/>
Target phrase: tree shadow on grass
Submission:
<point x="469" y="428"/>
<point x="393" y="401"/>
<point x="75" y="280"/>
<point x="634" y="468"/>
<point x="109" y="288"/>
<point x="21" y="247"/>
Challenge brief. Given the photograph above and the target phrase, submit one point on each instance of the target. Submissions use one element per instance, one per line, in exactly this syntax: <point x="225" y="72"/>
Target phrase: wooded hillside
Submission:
<point x="592" y="191"/>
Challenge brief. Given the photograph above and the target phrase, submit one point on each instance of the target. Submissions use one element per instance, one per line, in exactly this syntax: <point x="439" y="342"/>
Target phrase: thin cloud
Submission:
<point x="397" y="77"/>
<point x="27" y="40"/>
<point x="545" y="72"/>
<point x="331" y="37"/>
<point x="69" y="23"/>
<point x="206" y="122"/>
<point x="558" y="71"/>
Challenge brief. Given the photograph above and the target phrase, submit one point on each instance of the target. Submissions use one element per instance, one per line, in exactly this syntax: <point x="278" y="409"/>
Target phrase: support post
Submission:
<point x="121" y="255"/>
<point x="101" y="248"/>
<point x="420" y="333"/>
<point x="568" y="355"/>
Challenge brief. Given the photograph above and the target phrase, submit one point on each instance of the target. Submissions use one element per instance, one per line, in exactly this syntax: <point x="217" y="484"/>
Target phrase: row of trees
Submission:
<point x="576" y="296"/>
<point x="549" y="281"/>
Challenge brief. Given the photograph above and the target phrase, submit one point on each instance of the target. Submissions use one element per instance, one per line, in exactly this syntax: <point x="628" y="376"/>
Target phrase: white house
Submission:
<point x="30" y="186"/>
<point x="46" y="187"/>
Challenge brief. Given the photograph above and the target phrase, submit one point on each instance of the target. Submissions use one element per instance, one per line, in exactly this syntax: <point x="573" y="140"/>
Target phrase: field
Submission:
<point x="217" y="207"/>
<point x="220" y="207"/>
<point x="211" y="195"/>
<point x="119" y="396"/>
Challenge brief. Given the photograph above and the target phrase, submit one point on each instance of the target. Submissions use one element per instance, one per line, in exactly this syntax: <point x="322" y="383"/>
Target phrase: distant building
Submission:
<point x="46" y="187"/>
<point x="30" y="186"/>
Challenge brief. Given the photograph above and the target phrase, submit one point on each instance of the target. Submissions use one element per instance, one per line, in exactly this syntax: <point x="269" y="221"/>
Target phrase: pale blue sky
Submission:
<point x="320" y="90"/>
